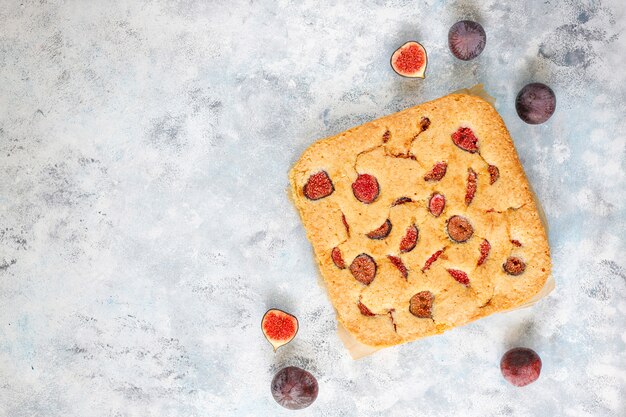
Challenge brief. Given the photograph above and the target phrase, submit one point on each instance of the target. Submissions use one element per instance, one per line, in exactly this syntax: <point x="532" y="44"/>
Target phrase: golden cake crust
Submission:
<point x="399" y="150"/>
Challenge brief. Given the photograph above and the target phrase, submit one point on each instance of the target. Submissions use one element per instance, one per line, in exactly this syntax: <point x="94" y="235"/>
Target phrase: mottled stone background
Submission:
<point x="145" y="226"/>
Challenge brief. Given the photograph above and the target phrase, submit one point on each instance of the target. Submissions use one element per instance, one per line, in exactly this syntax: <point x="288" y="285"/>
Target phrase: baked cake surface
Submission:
<point x="421" y="221"/>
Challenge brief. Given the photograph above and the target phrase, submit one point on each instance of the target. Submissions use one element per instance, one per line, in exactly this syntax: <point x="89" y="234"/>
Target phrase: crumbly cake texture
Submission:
<point x="421" y="221"/>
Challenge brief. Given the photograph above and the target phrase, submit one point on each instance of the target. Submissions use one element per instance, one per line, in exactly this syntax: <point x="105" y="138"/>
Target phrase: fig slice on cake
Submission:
<point x="279" y="327"/>
<point x="410" y="60"/>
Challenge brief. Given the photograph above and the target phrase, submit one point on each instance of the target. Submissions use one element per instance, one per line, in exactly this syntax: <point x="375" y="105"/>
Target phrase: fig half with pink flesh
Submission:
<point x="410" y="60"/>
<point x="279" y="327"/>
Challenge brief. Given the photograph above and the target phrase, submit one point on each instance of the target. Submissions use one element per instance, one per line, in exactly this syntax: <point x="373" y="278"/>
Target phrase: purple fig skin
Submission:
<point x="294" y="388"/>
<point x="520" y="366"/>
<point x="535" y="103"/>
<point x="466" y="40"/>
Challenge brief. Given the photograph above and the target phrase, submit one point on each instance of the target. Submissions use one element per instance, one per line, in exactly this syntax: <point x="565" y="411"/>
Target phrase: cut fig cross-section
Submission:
<point x="365" y="188"/>
<point x="421" y="304"/>
<point x="437" y="172"/>
<point x="459" y="276"/>
<point x="465" y="139"/>
<point x="363" y="269"/>
<point x="397" y="262"/>
<point x="337" y="258"/>
<point x="409" y="240"/>
<point x="279" y="327"/>
<point x="459" y="229"/>
<point x="484" y="248"/>
<point x="364" y="310"/>
<point x="410" y="60"/>
<point x="381" y="232"/>
<point x="318" y="186"/>
<point x="436" y="204"/>
<point x="431" y="260"/>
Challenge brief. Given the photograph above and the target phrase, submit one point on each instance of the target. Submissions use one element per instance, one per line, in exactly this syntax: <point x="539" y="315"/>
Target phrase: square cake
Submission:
<point x="421" y="221"/>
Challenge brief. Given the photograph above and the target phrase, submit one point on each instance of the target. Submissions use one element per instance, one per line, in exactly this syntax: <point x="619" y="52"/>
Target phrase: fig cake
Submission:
<point x="421" y="221"/>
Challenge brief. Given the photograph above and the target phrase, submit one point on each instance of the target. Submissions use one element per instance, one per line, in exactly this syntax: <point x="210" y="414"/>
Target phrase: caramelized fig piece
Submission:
<point x="465" y="139"/>
<point x="421" y="304"/>
<point x="410" y="239"/>
<point x="431" y="260"/>
<point x="437" y="172"/>
<point x="365" y="188"/>
<point x="337" y="258"/>
<point x="345" y="224"/>
<point x="460" y="276"/>
<point x="436" y="204"/>
<point x="318" y="186"/>
<point x="363" y="269"/>
<point x="459" y="229"/>
<point x="484" y="248"/>
<point x="279" y="327"/>
<point x="401" y="200"/>
<point x="494" y="174"/>
<point x="381" y="232"/>
<point x="364" y="310"/>
<point x="514" y="266"/>
<point x="397" y="262"/>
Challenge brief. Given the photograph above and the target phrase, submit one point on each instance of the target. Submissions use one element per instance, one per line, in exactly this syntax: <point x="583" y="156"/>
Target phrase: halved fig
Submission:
<point x="465" y="139"/>
<point x="279" y="327"/>
<point x="363" y="269"/>
<point x="382" y="232"/>
<point x="459" y="229"/>
<point x="410" y="60"/>
<point x="318" y="186"/>
<point x="436" y="204"/>
<point x="409" y="240"/>
<point x="421" y="304"/>
<point x="365" y="188"/>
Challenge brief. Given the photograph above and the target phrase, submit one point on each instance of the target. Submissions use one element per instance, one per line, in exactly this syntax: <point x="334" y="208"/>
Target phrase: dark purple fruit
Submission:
<point x="520" y="366"/>
<point x="294" y="388"/>
<point x="466" y="39"/>
<point x="535" y="103"/>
